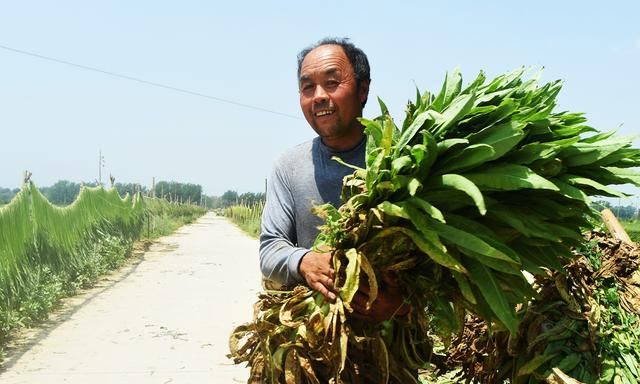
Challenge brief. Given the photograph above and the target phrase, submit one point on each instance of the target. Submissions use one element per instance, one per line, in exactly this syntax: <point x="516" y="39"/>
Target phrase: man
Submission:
<point x="333" y="80"/>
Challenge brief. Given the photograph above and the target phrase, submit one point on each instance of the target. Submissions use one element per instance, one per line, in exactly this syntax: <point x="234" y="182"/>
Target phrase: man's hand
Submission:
<point x="389" y="303"/>
<point x="316" y="269"/>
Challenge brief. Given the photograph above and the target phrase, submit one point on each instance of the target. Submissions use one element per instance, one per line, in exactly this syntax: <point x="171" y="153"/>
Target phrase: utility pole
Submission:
<point x="100" y="165"/>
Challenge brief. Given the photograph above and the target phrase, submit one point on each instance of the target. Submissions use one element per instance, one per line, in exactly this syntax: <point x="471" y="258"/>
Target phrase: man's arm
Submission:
<point x="279" y="254"/>
<point x="281" y="259"/>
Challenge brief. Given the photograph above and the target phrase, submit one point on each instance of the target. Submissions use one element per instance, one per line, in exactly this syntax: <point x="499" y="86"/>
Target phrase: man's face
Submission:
<point x="330" y="97"/>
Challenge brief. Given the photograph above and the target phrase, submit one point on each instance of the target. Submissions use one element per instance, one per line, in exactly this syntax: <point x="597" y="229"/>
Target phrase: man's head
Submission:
<point x="333" y="79"/>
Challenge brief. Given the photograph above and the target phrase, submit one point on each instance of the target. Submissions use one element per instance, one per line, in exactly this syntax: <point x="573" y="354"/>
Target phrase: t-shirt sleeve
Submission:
<point x="279" y="253"/>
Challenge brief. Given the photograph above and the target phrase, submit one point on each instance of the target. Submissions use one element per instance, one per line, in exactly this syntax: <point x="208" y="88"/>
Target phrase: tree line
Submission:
<point x="622" y="212"/>
<point x="64" y="192"/>
<point x="230" y="198"/>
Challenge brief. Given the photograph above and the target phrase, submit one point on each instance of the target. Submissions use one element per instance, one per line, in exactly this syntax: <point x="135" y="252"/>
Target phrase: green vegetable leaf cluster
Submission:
<point x="479" y="184"/>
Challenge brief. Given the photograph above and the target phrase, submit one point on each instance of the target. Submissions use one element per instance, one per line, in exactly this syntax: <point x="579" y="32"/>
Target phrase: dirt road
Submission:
<point x="163" y="320"/>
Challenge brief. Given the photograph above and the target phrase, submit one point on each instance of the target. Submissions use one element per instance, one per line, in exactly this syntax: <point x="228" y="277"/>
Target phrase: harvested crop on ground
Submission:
<point x="585" y="322"/>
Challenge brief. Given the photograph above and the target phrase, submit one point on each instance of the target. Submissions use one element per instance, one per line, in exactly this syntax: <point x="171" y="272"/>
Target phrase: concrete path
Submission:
<point x="163" y="320"/>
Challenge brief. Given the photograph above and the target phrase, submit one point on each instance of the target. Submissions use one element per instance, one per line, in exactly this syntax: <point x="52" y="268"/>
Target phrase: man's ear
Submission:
<point x="363" y="92"/>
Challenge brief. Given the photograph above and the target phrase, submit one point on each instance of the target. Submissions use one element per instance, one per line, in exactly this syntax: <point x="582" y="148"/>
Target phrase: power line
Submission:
<point x="152" y="83"/>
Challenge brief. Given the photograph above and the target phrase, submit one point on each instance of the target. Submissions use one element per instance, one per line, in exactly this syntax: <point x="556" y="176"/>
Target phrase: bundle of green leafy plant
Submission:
<point x="585" y="322"/>
<point x="478" y="184"/>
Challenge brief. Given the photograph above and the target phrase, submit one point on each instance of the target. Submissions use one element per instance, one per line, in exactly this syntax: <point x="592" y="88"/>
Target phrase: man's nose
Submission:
<point x="320" y="95"/>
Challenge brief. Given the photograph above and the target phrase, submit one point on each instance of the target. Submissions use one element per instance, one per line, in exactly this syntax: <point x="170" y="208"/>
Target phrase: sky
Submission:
<point x="205" y="92"/>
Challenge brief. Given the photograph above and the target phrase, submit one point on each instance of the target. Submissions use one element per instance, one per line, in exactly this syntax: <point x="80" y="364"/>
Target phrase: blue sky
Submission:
<point x="54" y="118"/>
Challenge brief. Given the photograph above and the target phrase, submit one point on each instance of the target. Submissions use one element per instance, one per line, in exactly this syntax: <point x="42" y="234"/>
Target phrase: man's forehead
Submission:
<point x="325" y="71"/>
<point x="325" y="60"/>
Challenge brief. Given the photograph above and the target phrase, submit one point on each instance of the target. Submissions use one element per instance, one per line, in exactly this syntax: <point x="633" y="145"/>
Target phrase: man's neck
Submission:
<point x="344" y="143"/>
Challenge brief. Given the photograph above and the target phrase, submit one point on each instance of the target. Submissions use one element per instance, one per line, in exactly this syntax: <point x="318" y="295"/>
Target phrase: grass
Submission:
<point x="633" y="229"/>
<point x="164" y="218"/>
<point x="247" y="218"/>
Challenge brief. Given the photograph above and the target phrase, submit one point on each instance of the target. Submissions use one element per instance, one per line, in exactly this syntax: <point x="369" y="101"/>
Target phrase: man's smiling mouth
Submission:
<point x="323" y="113"/>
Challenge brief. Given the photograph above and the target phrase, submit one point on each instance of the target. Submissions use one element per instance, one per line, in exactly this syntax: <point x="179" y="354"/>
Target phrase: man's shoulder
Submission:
<point x="296" y="154"/>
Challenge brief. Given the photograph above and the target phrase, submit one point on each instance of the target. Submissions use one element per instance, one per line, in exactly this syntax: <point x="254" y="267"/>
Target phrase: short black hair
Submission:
<point x="356" y="56"/>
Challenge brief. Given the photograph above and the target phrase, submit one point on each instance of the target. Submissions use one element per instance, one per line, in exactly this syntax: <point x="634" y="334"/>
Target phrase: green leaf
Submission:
<point x="435" y="253"/>
<point x="465" y="287"/>
<point x="570" y="191"/>
<point x="373" y="130"/>
<point x="462" y="184"/>
<point x="367" y="268"/>
<point x="421" y="223"/>
<point x="492" y="293"/>
<point x="581" y="182"/>
<point x="401" y="164"/>
<point x="388" y="131"/>
<point x="629" y="175"/>
<point x="445" y="145"/>
<point x="537" y="151"/>
<point x="502" y="137"/>
<point x="422" y="121"/>
<point x="509" y="177"/>
<point x="352" y="279"/>
<point x="531" y="224"/>
<point x="450" y="89"/>
<point x="475" y="84"/>
<point x="598" y="137"/>
<point x="342" y="162"/>
<point x="431" y="154"/>
<point x="608" y="175"/>
<point x="471" y="156"/>
<point x="587" y="153"/>
<point x="414" y="186"/>
<point x="495" y="264"/>
<point x="469" y="241"/>
<point x="469" y="225"/>
<point x="626" y="157"/>
<point x="383" y="107"/>
<point x="507" y="80"/>
<point x="569" y="131"/>
<point x="460" y="106"/>
<point x="393" y="210"/>
<point x="373" y="169"/>
<point x="426" y="207"/>
<point x="532" y="365"/>
<point x="483" y="117"/>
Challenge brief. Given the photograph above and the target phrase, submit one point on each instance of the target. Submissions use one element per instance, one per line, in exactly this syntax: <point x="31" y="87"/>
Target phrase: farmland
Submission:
<point x="633" y="229"/>
<point x="163" y="317"/>
<point x="48" y="252"/>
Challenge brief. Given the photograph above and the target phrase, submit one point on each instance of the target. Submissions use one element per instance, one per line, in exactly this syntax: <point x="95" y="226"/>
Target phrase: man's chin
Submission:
<point x="324" y="131"/>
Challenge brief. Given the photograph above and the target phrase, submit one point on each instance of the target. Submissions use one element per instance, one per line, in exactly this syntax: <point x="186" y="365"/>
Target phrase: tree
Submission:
<point x="63" y="192"/>
<point x="251" y="198"/>
<point x="229" y="198"/>
<point x="7" y="194"/>
<point x="130" y="188"/>
<point x="182" y="192"/>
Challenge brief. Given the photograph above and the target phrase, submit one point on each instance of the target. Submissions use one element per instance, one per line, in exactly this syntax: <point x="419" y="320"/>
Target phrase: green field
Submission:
<point x="633" y="229"/>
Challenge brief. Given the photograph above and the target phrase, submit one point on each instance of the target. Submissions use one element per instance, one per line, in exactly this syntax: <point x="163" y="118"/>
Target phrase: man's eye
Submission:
<point x="332" y="83"/>
<point x="306" y="87"/>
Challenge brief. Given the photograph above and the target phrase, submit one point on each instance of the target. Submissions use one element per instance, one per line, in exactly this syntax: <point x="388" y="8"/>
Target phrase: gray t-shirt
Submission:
<point x="303" y="177"/>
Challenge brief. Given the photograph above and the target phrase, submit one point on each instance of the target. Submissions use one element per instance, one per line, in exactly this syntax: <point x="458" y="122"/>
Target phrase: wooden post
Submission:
<point x="614" y="227"/>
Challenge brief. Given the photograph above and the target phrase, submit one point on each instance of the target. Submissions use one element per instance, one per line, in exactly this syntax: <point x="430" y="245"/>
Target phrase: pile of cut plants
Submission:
<point x="480" y="185"/>
<point x="584" y="324"/>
